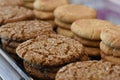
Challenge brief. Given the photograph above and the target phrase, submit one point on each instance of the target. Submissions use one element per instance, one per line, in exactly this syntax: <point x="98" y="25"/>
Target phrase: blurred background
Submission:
<point x="107" y="9"/>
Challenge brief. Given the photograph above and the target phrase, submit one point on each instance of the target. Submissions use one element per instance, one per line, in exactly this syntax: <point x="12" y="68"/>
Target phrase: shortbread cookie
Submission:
<point x="72" y="12"/>
<point x="111" y="37"/>
<point x="90" y="28"/>
<point x="87" y="42"/>
<point x="64" y="32"/>
<point x="10" y="14"/>
<point x="110" y="51"/>
<point x="48" y="5"/>
<point x="44" y="15"/>
<point x="89" y="70"/>
<point x="62" y="24"/>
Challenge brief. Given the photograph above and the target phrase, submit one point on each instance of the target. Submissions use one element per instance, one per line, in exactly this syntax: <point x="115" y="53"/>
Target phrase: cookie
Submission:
<point x="110" y="51"/>
<point x="110" y="36"/>
<point x="115" y="60"/>
<point x="72" y="12"/>
<point x="24" y="30"/>
<point x="87" y="42"/>
<point x="28" y="5"/>
<point x="52" y="23"/>
<point x="91" y="51"/>
<point x="89" y="70"/>
<point x="62" y="24"/>
<point x="28" y="0"/>
<point x="10" y="14"/>
<point x="64" y="32"/>
<point x="90" y="28"/>
<point x="41" y="73"/>
<point x="11" y="3"/>
<point x="43" y="15"/>
<point x="41" y="4"/>
<point x="51" y="50"/>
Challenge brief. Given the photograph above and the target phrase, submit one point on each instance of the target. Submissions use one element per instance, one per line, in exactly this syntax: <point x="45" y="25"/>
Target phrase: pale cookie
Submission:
<point x="92" y="51"/>
<point x="10" y="14"/>
<point x="62" y="24"/>
<point x="115" y="60"/>
<point x="64" y="32"/>
<point x="90" y="28"/>
<point x="48" y="5"/>
<point x="43" y="15"/>
<point x="89" y="70"/>
<point x="72" y="12"/>
<point x="87" y="42"/>
<point x="110" y="51"/>
<point x="51" y="50"/>
<point x="111" y="37"/>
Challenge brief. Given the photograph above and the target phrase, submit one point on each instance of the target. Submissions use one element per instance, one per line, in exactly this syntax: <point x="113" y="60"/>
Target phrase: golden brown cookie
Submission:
<point x="24" y="30"/>
<point x="10" y="14"/>
<point x="115" y="60"/>
<point x="111" y="37"/>
<point x="11" y="3"/>
<point x="64" y="32"/>
<point x="72" y="12"/>
<point x="87" y="42"/>
<point x="89" y="70"/>
<point x="43" y="15"/>
<point x="48" y="5"/>
<point x="110" y="51"/>
<point x="90" y="28"/>
<point x="91" y="51"/>
<point x="28" y="5"/>
<point x="62" y="24"/>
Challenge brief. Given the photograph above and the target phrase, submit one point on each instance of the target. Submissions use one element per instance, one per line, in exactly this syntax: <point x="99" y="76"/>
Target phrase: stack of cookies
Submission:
<point x="46" y="54"/>
<point x="28" y="3"/>
<point x="9" y="14"/>
<point x="67" y="14"/>
<point x="12" y="34"/>
<point x="43" y="9"/>
<point x="89" y="70"/>
<point x="110" y="45"/>
<point x="87" y="31"/>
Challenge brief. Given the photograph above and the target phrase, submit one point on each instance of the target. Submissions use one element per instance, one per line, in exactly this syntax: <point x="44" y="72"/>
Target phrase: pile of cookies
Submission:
<point x="28" y="3"/>
<point x="64" y="54"/>
<point x="110" y="45"/>
<point x="67" y="14"/>
<point x="87" y="31"/>
<point x="43" y="9"/>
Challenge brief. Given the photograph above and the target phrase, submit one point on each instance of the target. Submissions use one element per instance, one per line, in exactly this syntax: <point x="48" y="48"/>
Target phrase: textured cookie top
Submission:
<point x="72" y="12"/>
<point x="24" y="30"/>
<point x="111" y="37"/>
<point x="14" y="13"/>
<point x="51" y="4"/>
<point x="50" y="50"/>
<point x="89" y="70"/>
<point x="90" y="28"/>
<point x="11" y="2"/>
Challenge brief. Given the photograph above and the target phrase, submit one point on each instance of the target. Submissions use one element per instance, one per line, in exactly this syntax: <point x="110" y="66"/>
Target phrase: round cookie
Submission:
<point x="24" y="30"/>
<point x="51" y="50"/>
<point x="41" y="73"/>
<point x="14" y="13"/>
<point x="11" y="3"/>
<point x="115" y="60"/>
<point x="110" y="51"/>
<point x="110" y="36"/>
<point x="90" y="28"/>
<point x="89" y="70"/>
<point x="43" y="15"/>
<point x="41" y="4"/>
<point x="92" y="51"/>
<point x="86" y="42"/>
<point x="62" y="24"/>
<point x="64" y="32"/>
<point x="28" y="5"/>
<point x="72" y="12"/>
